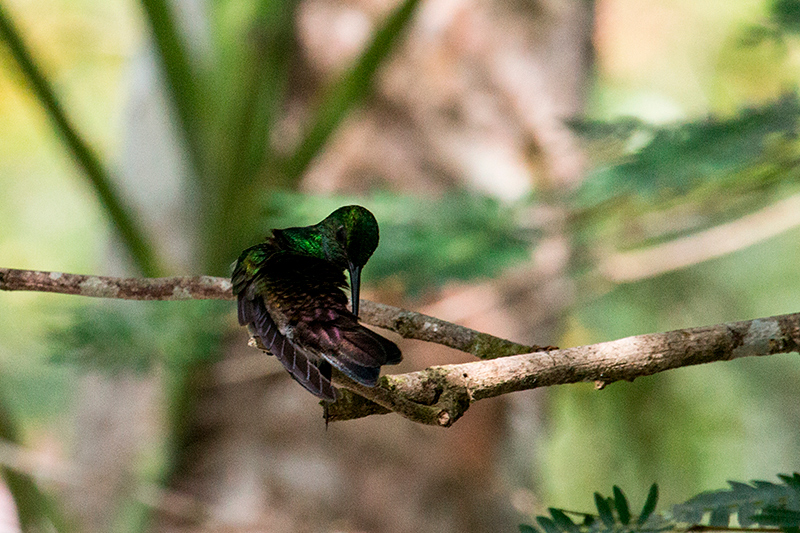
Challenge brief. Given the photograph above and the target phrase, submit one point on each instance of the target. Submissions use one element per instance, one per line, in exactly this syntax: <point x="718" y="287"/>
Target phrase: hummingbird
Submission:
<point x="290" y="292"/>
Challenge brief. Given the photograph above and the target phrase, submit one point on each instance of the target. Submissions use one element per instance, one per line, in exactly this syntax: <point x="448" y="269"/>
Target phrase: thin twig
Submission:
<point x="409" y="324"/>
<point x="440" y="395"/>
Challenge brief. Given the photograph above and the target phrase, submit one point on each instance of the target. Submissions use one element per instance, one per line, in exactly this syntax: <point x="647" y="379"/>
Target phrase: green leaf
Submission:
<point x="116" y="337"/>
<point x="252" y="102"/>
<point x="110" y="338"/>
<point x="548" y="525"/>
<point x="775" y="516"/>
<point x="563" y="521"/>
<point x="604" y="510"/>
<point x="719" y="518"/>
<point x="424" y="242"/>
<point x="35" y="509"/>
<point x="786" y="15"/>
<point x="743" y="499"/>
<point x="621" y="504"/>
<point x="525" y="528"/>
<point x="649" y="504"/>
<point x="791" y="481"/>
<point x="664" y="162"/>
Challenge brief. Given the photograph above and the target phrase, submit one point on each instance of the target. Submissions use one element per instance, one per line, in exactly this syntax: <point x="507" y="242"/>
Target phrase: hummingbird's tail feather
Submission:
<point x="355" y="350"/>
<point x="298" y="362"/>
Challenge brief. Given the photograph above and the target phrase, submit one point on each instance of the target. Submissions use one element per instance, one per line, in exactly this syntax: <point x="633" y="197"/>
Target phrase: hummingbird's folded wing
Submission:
<point x="299" y="362"/>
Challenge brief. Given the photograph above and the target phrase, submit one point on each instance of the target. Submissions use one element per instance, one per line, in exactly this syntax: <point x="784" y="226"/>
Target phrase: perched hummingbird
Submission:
<point x="290" y="296"/>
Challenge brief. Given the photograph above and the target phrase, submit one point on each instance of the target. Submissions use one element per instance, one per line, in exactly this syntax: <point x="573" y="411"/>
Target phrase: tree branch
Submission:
<point x="440" y="395"/>
<point x="453" y="388"/>
<point x="409" y="324"/>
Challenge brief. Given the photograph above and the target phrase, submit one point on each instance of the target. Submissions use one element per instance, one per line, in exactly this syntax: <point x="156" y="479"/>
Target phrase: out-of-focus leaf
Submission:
<point x="741" y="499"/>
<point x="564" y="522"/>
<point x="548" y="525"/>
<point x="183" y="80"/>
<point x="665" y="162"/>
<point x="261" y="50"/>
<point x="131" y="233"/>
<point x="649" y="504"/>
<point x="133" y="337"/>
<point x="621" y="504"/>
<point x="36" y="510"/>
<point x="775" y="516"/>
<point x="719" y="518"/>
<point x="106" y="338"/>
<point x="604" y="510"/>
<point x="728" y="169"/>
<point x="785" y="14"/>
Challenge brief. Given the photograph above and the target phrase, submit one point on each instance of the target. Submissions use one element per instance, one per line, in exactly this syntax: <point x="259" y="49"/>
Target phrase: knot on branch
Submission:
<point x="431" y="397"/>
<point x="404" y="325"/>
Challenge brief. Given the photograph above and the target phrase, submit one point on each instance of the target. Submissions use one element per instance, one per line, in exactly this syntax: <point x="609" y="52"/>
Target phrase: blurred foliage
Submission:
<point x="701" y="173"/>
<point x="785" y="14"/>
<point x="654" y="164"/>
<point x="613" y="514"/>
<point x="783" y="21"/>
<point x="36" y="510"/>
<point x="759" y="503"/>
<point x="227" y="100"/>
<point x="114" y="337"/>
<point x="707" y="171"/>
<point x="119" y="213"/>
<point x="651" y="184"/>
<point x="240" y="158"/>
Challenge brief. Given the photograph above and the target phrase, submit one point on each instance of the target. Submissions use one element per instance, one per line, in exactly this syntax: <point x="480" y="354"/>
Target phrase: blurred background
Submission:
<point x="549" y="171"/>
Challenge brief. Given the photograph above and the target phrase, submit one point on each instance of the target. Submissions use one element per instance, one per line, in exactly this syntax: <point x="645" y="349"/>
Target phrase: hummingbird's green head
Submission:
<point x="346" y="238"/>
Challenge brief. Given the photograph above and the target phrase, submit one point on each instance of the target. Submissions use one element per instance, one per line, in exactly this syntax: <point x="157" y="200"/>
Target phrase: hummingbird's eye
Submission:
<point x="340" y="235"/>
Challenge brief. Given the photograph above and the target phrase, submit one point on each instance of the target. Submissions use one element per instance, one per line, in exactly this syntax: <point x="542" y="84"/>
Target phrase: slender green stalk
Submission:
<point x="182" y="80"/>
<point x="258" y="96"/>
<point x="350" y="90"/>
<point x="133" y="237"/>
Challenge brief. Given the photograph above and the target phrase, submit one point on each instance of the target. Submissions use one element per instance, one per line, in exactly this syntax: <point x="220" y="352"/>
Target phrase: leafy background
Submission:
<point x="690" y="123"/>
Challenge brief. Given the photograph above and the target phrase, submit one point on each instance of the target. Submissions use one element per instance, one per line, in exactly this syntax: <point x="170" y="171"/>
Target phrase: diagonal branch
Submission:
<point x="440" y="395"/>
<point x="452" y="388"/>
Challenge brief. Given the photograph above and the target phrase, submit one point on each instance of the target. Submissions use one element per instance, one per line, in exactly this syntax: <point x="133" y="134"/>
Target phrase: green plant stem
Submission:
<point x="265" y="63"/>
<point x="350" y="90"/>
<point x="181" y="79"/>
<point x="133" y="237"/>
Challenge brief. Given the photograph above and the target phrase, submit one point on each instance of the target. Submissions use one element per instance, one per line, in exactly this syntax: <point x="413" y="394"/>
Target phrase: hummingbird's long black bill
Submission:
<point x="355" y="283"/>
